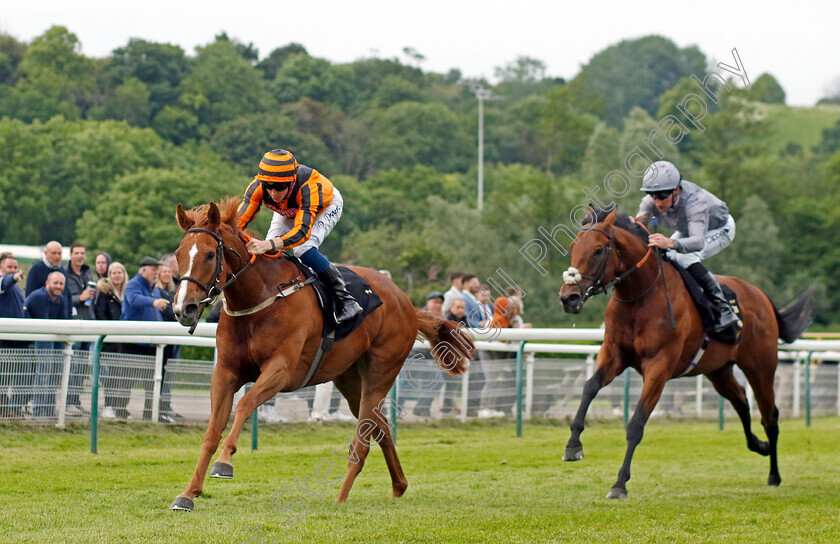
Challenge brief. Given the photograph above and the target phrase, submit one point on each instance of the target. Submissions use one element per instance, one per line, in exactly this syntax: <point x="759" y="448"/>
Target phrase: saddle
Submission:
<point x="708" y="315"/>
<point x="333" y="332"/>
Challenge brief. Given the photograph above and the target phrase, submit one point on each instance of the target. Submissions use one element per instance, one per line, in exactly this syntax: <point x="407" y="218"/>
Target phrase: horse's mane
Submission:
<point x="622" y="221"/>
<point x="227" y="209"/>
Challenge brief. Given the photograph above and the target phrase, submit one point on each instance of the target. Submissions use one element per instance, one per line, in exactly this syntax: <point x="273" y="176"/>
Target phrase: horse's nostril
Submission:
<point x="191" y="309"/>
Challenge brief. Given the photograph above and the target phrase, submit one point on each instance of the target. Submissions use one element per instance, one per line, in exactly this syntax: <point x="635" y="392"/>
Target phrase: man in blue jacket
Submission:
<point x="48" y="302"/>
<point x="15" y="371"/>
<point x="143" y="302"/>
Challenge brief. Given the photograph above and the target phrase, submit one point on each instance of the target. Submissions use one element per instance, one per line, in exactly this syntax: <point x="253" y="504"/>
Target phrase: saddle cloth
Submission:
<point x="356" y="285"/>
<point x="708" y="315"/>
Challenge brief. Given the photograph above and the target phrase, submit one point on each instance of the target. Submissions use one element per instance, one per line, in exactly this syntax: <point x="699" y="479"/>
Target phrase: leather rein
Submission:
<point x="212" y="289"/>
<point x="599" y="287"/>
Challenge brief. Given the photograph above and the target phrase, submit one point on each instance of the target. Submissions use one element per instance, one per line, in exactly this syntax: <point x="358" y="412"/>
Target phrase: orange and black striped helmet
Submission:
<point x="278" y="166"/>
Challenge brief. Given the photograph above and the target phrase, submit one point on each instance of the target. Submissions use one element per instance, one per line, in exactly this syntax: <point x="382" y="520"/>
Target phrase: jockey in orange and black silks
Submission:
<point x="306" y="208"/>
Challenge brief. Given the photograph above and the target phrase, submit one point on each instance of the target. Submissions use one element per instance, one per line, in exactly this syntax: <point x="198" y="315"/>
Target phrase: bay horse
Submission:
<point x="274" y="343"/>
<point x="611" y="249"/>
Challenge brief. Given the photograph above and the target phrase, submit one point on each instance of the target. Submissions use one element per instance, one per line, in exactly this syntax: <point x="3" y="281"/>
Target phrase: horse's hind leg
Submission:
<point x="762" y="380"/>
<point x="608" y="367"/>
<point x="372" y="424"/>
<point x="729" y="388"/>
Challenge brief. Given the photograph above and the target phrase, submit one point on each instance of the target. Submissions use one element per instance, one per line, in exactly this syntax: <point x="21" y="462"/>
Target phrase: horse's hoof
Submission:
<point x="182" y="503"/>
<point x="774" y="479"/>
<point x="617" y="493"/>
<point x="573" y="454"/>
<point x="221" y="470"/>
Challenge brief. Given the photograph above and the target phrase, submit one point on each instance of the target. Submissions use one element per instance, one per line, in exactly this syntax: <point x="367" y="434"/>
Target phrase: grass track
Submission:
<point x="471" y="483"/>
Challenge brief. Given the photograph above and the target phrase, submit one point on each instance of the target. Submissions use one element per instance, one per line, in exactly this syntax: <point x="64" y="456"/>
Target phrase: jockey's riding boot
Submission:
<point x="711" y="287"/>
<point x="346" y="306"/>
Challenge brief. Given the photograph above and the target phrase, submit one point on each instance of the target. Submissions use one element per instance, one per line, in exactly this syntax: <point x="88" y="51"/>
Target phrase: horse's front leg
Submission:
<point x="651" y="391"/>
<point x="608" y="366"/>
<point x="223" y="385"/>
<point x="273" y="377"/>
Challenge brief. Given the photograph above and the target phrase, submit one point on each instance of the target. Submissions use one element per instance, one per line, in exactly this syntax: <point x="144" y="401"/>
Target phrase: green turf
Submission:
<point x="472" y="483"/>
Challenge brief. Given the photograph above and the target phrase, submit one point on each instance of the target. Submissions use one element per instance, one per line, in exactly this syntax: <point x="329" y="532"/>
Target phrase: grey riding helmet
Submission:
<point x="660" y="176"/>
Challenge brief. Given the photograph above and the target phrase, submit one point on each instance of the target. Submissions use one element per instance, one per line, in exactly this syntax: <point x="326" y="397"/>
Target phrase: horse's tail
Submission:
<point x="451" y="344"/>
<point x="795" y="315"/>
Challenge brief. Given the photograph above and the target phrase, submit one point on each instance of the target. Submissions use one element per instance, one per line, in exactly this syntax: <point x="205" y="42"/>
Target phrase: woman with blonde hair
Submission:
<point x="108" y="306"/>
<point x="167" y="287"/>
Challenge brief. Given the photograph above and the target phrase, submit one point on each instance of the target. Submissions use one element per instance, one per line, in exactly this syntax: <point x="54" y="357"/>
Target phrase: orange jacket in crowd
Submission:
<point x="500" y="314"/>
<point x="310" y="194"/>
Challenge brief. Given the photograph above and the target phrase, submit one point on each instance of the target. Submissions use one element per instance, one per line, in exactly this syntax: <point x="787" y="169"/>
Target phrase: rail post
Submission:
<point x="94" y="394"/>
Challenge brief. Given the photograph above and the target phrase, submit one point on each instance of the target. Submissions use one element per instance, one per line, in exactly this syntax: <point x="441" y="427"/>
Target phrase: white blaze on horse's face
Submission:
<point x="182" y="288"/>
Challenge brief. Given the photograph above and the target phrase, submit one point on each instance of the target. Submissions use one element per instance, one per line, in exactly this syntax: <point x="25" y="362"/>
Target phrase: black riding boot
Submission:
<point x="346" y="305"/>
<point x="711" y="287"/>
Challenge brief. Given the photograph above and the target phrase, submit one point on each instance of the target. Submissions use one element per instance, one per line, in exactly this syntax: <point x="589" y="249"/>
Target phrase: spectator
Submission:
<point x="434" y="303"/>
<point x="101" y="264"/>
<point x="454" y="291"/>
<point x="15" y="373"/>
<point x="515" y="296"/>
<point x="504" y="309"/>
<point x="80" y="290"/>
<point x="108" y="307"/>
<point x="457" y="313"/>
<point x="471" y="286"/>
<point x="143" y="302"/>
<point x="166" y="286"/>
<point x="485" y="308"/>
<point x="37" y="277"/>
<point x="424" y="372"/>
<point x="11" y="297"/>
<point x="48" y="302"/>
<point x="169" y="261"/>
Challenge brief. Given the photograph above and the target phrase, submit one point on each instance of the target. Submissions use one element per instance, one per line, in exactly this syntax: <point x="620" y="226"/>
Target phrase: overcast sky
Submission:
<point x="794" y="41"/>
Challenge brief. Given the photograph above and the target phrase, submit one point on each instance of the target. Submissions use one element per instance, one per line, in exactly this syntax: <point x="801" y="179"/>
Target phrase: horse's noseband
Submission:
<point x="212" y="289"/>
<point x="598" y="286"/>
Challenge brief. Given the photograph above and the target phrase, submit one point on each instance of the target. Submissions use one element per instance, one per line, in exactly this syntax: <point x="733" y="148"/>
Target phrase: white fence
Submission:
<point x="534" y="379"/>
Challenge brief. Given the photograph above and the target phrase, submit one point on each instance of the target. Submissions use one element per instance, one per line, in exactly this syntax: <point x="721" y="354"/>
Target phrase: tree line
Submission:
<point x="100" y="150"/>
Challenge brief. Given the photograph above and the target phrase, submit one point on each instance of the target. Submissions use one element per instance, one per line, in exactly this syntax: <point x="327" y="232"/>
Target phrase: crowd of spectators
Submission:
<point x="469" y="302"/>
<point x="76" y="291"/>
<point x="105" y="292"/>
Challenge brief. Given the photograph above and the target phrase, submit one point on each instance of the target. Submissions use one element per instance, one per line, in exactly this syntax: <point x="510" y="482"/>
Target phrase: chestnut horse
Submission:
<point x="274" y="344"/>
<point x="612" y="250"/>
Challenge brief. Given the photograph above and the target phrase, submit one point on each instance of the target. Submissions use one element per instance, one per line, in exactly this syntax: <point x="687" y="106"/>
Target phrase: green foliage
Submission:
<point x="11" y="53"/>
<point x="272" y="63"/>
<point x="243" y="141"/>
<point x="568" y="120"/>
<point x="161" y="67"/>
<point x="400" y="144"/>
<point x="414" y="133"/>
<point x="637" y="72"/>
<point x="52" y="172"/>
<point x="136" y="214"/>
<point x="222" y="85"/>
<point x="767" y="89"/>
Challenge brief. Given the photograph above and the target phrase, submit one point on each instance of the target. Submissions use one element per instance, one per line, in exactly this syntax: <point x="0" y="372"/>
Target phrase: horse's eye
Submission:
<point x="210" y="255"/>
<point x="599" y="250"/>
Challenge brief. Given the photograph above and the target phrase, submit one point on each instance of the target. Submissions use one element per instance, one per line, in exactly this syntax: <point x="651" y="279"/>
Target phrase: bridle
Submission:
<point x="212" y="289"/>
<point x="597" y="280"/>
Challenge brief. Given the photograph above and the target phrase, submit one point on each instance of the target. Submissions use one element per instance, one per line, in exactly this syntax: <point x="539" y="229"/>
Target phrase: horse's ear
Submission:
<point x="213" y="216"/>
<point x="184" y="221"/>
<point x="591" y="216"/>
<point x="610" y="219"/>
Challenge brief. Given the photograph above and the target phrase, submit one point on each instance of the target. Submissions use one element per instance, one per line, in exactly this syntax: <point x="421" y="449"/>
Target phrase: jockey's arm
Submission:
<point x="250" y="206"/>
<point x="697" y="218"/>
<point x="310" y="204"/>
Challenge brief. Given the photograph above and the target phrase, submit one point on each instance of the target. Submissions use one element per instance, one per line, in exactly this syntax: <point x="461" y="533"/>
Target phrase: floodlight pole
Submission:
<point x="481" y="93"/>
